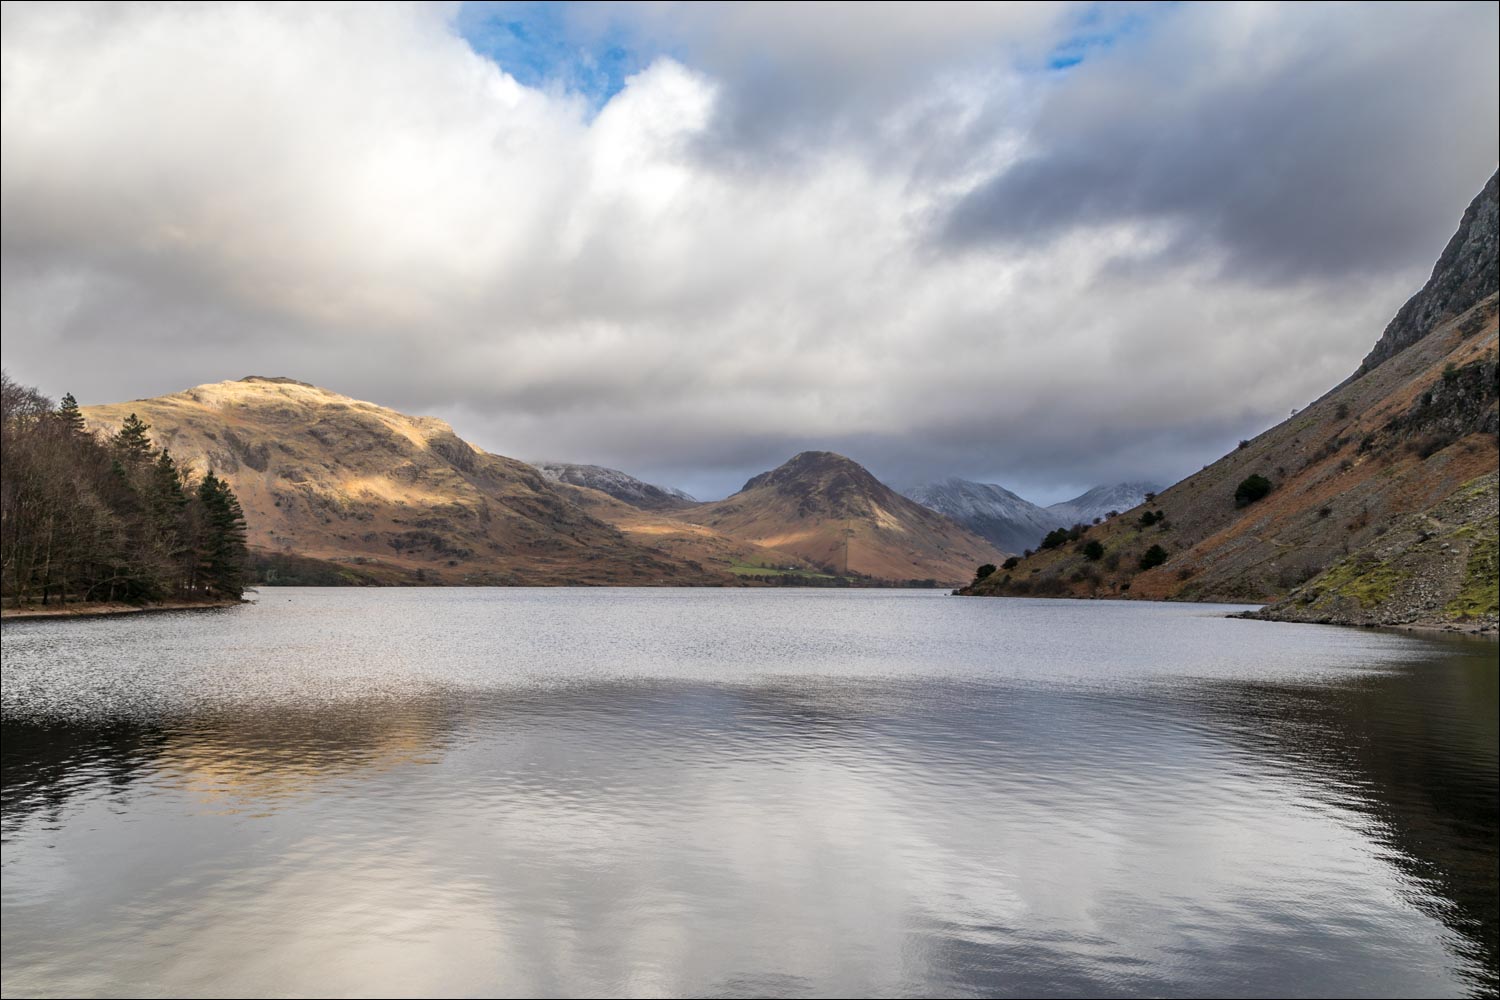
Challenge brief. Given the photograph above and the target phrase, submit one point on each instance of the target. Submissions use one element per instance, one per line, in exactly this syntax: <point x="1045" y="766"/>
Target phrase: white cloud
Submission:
<point x="736" y="257"/>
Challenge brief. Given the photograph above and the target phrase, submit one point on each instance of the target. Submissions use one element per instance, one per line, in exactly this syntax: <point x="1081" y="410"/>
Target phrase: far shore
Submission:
<point x="98" y="609"/>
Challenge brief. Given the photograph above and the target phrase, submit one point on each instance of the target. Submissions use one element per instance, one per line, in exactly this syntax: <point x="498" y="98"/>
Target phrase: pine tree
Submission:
<point x="68" y="413"/>
<point x="221" y="552"/>
<point x="132" y="443"/>
<point x="165" y="495"/>
<point x="137" y="572"/>
<point x="166" y="502"/>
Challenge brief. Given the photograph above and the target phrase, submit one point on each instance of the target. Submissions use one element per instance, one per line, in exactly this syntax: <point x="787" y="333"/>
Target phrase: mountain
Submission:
<point x="1100" y="502"/>
<point x="992" y="512"/>
<point x="828" y="511"/>
<point x="1376" y="504"/>
<point x="339" y="490"/>
<point x="1013" y="524"/>
<point x="620" y="485"/>
<point x="1463" y="276"/>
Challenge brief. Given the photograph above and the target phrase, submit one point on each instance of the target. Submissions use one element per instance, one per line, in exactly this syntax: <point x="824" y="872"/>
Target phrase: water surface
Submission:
<point x="708" y="792"/>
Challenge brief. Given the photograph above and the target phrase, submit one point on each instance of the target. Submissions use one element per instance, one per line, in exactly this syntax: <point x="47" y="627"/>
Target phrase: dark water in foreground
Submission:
<point x="518" y="792"/>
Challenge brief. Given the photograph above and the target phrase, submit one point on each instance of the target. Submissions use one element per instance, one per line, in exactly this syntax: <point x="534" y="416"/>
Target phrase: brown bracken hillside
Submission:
<point x="339" y="490"/>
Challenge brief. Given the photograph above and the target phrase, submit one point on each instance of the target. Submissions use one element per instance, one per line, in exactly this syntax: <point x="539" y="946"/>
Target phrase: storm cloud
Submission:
<point x="1034" y="246"/>
<point x="1303" y="146"/>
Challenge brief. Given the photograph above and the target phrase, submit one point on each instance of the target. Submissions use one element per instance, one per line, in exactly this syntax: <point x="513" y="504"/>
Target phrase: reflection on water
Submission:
<point x="719" y="793"/>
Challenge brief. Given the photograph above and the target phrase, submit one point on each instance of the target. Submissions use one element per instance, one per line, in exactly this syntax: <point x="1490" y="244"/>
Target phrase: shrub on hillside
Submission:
<point x="1155" y="556"/>
<point x="1093" y="551"/>
<point x="1430" y="444"/>
<point x="1252" y="488"/>
<point x="1055" y="538"/>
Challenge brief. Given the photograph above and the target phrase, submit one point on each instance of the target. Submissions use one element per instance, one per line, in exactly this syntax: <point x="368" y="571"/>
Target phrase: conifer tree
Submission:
<point x="68" y="413"/>
<point x="131" y="442"/>
<point x="166" y="501"/>
<point x="166" y="495"/>
<point x="222" y="552"/>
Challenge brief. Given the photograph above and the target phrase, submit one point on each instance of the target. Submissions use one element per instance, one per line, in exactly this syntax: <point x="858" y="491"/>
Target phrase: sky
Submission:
<point x="1042" y="245"/>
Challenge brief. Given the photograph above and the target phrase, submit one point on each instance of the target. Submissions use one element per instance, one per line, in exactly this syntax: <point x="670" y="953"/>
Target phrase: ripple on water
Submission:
<point x="719" y="793"/>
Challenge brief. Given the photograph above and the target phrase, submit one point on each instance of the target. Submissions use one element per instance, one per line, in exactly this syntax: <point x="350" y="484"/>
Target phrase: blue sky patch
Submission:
<point x="1100" y="28"/>
<point x="544" y="45"/>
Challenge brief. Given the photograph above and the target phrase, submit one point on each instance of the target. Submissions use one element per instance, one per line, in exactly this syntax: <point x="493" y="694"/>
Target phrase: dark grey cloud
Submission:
<point x="733" y="259"/>
<point x="801" y="76"/>
<point x="1306" y="141"/>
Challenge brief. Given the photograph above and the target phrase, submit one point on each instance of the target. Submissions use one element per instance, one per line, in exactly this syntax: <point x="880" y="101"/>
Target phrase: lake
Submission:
<point x="514" y="792"/>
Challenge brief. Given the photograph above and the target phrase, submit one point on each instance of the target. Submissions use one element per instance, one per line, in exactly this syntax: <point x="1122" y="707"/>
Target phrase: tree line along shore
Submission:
<point x="99" y="525"/>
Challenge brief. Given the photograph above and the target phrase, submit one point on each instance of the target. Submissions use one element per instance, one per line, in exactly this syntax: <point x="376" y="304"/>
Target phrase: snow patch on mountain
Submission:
<point x="620" y="485"/>
<point x="1013" y="523"/>
<point x="1100" y="500"/>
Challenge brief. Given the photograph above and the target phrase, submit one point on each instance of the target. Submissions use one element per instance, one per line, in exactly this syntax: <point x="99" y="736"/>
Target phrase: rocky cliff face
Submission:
<point x="1378" y="510"/>
<point x="381" y="496"/>
<point x="1464" y="275"/>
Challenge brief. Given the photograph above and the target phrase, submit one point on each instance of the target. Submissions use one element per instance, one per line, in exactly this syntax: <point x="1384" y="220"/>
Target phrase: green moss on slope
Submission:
<point x="1365" y="580"/>
<point x="1480" y="595"/>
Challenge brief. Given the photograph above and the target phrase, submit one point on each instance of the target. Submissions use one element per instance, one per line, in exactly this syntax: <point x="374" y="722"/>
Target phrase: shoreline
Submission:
<point x="1472" y="629"/>
<point x="106" y="609"/>
<point x="1468" y="630"/>
<point x="1431" y="627"/>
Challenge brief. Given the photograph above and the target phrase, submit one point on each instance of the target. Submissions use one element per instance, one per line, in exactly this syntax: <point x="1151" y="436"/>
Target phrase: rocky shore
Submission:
<point x="1435" y="570"/>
